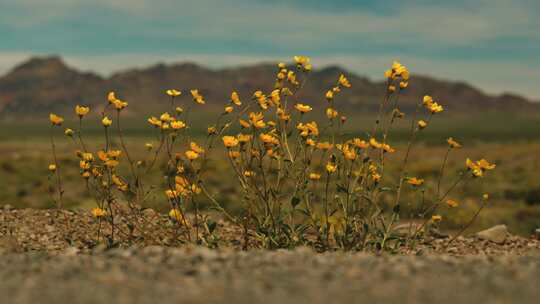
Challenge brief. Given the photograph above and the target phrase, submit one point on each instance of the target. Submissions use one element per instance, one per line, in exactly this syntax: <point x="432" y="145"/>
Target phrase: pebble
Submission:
<point x="537" y="233"/>
<point x="496" y="234"/>
<point x="70" y="251"/>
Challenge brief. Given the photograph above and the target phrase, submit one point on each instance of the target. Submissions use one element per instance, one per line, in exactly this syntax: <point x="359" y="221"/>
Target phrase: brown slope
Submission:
<point x="43" y="84"/>
<point x="47" y="84"/>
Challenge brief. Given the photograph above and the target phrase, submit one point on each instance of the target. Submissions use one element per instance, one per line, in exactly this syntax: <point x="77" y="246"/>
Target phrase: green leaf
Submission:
<point x="295" y="201"/>
<point x="211" y="225"/>
<point x="386" y="189"/>
<point x="342" y="189"/>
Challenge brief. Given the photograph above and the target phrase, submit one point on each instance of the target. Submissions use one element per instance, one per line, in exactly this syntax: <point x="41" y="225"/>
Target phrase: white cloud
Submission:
<point x="215" y="19"/>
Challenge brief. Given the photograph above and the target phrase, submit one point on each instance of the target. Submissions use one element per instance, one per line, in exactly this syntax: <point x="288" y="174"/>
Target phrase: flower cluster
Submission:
<point x="303" y="180"/>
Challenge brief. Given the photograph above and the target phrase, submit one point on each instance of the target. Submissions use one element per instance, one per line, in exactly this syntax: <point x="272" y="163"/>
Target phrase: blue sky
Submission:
<point x="493" y="44"/>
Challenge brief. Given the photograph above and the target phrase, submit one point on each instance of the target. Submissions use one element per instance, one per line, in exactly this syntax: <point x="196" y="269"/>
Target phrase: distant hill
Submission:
<point x="44" y="84"/>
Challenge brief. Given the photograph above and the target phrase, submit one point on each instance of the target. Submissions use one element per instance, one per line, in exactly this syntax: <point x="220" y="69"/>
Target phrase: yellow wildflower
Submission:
<point x="324" y="145"/>
<point x="230" y="141"/>
<point x="329" y="95"/>
<point x="176" y="215"/>
<point x="435" y="108"/>
<point x="452" y="203"/>
<point x="275" y="97"/>
<point x="362" y="144"/>
<point x="111" y="163"/>
<point x="436" y="218"/>
<point x="268" y="139"/>
<point x="81" y="111"/>
<point x="68" y="132"/>
<point x="479" y="167"/>
<point x="228" y="109"/>
<point x="172" y="194"/>
<point x="243" y="123"/>
<point x="211" y="130"/>
<point x="106" y="122"/>
<point x="166" y="117"/>
<point x="375" y="144"/>
<point x="98" y="212"/>
<point x="55" y="119"/>
<point x="84" y="165"/>
<point x="178" y="125"/>
<point x="193" y="145"/>
<point x="111" y="97"/>
<point x="173" y="92"/>
<point x="197" y="97"/>
<point x="485" y="165"/>
<point x="283" y="115"/>
<point x="191" y="155"/>
<point x="235" y="98"/>
<point x="415" y="181"/>
<point x="348" y="153"/>
<point x="234" y="154"/>
<point x="114" y="154"/>
<point x="453" y="143"/>
<point x="122" y="186"/>
<point x="331" y="113"/>
<point x="331" y="167"/>
<point x="302" y="108"/>
<point x="52" y="167"/>
<point x="387" y="148"/>
<point x="422" y="124"/>
<point x="427" y="100"/>
<point x="314" y="176"/>
<point x="243" y="138"/>
<point x="344" y="82"/>
<point x="87" y="156"/>
<point x="301" y="61"/>
<point x="249" y="173"/>
<point x="154" y="122"/>
<point x="102" y="155"/>
<point x="119" y="104"/>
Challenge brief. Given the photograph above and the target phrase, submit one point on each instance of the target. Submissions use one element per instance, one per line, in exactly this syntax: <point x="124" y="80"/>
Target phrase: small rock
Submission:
<point x="537" y="234"/>
<point x="148" y="212"/>
<point x="7" y="207"/>
<point x="406" y="229"/>
<point x="99" y="248"/>
<point x="496" y="234"/>
<point x="71" y="251"/>
<point x="452" y="250"/>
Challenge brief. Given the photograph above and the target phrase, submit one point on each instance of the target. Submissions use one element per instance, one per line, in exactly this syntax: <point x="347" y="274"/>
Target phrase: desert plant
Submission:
<point x="301" y="180"/>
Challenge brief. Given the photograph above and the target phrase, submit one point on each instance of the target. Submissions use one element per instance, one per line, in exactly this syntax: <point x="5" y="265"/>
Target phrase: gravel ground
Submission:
<point x="198" y="275"/>
<point x="38" y="264"/>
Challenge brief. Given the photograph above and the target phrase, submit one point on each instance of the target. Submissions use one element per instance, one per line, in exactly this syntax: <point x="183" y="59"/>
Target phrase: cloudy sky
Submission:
<point x="493" y="44"/>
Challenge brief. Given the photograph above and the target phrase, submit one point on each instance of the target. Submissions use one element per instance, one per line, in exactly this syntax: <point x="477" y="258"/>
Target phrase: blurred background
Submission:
<point x="480" y="59"/>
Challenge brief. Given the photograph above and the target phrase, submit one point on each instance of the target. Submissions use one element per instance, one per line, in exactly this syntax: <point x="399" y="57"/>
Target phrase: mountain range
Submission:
<point x="44" y="84"/>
